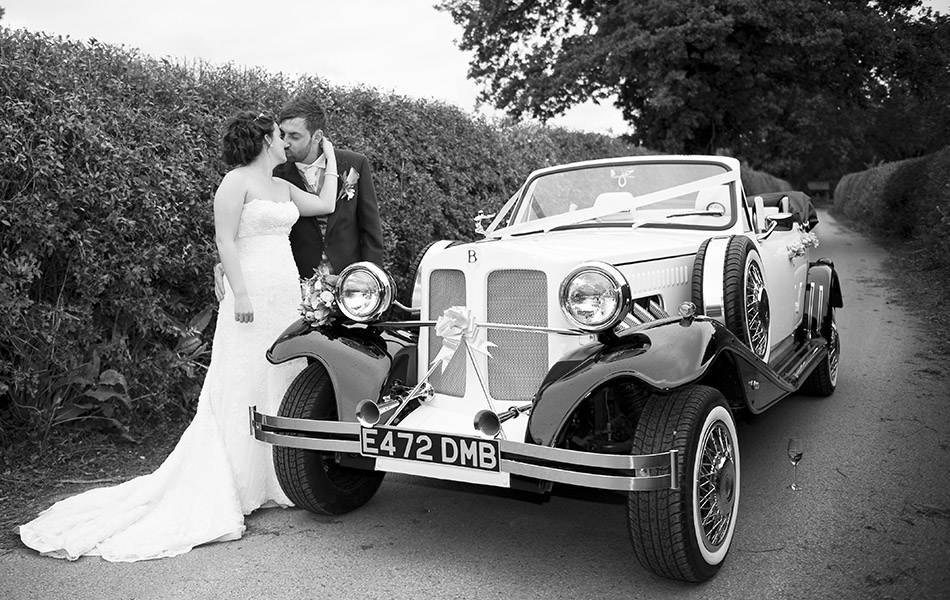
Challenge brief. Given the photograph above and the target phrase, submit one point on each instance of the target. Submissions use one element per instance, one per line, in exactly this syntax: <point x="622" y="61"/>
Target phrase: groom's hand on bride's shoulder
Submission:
<point x="219" y="281"/>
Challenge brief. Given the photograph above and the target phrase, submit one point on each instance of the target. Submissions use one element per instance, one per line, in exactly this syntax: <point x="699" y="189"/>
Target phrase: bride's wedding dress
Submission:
<point x="217" y="472"/>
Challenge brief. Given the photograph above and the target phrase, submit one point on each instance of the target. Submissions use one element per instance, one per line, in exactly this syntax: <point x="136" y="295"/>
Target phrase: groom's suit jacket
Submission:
<point x="354" y="232"/>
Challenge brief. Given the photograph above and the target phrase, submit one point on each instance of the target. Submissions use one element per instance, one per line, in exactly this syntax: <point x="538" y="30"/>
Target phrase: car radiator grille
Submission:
<point x="446" y="289"/>
<point x="520" y="358"/>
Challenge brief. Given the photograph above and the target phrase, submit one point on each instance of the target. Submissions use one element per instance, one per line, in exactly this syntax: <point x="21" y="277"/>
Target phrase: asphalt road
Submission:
<point x="873" y="519"/>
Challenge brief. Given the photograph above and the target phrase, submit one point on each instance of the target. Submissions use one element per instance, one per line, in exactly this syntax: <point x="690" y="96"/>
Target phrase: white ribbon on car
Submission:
<point x="455" y="326"/>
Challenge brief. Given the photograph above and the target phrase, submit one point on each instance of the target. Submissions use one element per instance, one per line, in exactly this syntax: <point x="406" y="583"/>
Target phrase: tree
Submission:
<point x="770" y="82"/>
<point x="914" y="116"/>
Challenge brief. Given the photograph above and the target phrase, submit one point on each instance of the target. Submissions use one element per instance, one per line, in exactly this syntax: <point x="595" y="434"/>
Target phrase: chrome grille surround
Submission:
<point x="519" y="359"/>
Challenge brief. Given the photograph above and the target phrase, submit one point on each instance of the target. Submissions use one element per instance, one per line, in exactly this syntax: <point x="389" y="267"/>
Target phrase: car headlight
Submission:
<point x="595" y="296"/>
<point x="364" y="292"/>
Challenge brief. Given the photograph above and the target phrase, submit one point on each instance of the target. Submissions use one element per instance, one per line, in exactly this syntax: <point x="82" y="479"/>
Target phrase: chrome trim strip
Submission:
<point x="534" y="328"/>
<point x="306" y="425"/>
<point x="591" y="480"/>
<point x="513" y="455"/>
<point x="305" y="443"/>
<point x="588" y="459"/>
<point x="714" y="266"/>
<point x="809" y="309"/>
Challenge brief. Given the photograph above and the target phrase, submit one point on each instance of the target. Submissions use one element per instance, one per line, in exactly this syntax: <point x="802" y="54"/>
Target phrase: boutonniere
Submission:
<point x="348" y="186"/>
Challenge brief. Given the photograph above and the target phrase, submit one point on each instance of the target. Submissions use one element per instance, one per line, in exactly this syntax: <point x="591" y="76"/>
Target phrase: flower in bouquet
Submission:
<point x="318" y="299"/>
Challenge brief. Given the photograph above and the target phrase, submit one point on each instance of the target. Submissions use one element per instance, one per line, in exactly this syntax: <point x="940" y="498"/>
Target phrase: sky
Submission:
<point x="401" y="46"/>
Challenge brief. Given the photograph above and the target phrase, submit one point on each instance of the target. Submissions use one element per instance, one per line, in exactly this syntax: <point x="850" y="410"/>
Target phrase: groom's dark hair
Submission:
<point x="311" y="111"/>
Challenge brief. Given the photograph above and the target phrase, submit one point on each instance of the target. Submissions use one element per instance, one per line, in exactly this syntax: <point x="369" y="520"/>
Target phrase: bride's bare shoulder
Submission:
<point x="237" y="174"/>
<point x="285" y="187"/>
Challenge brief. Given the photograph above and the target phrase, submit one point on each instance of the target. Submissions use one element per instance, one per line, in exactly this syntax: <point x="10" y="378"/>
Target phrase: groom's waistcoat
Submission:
<point x="353" y="233"/>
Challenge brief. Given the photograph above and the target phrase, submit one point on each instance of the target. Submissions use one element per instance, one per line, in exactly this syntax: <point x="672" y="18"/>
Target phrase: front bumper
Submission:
<point x="629" y="473"/>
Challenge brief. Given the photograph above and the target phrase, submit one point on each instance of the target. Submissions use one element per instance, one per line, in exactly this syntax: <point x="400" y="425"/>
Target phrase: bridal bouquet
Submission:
<point x="319" y="299"/>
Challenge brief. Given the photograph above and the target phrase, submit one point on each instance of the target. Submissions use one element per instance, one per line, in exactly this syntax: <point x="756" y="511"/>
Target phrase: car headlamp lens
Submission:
<point x="364" y="292"/>
<point x="595" y="296"/>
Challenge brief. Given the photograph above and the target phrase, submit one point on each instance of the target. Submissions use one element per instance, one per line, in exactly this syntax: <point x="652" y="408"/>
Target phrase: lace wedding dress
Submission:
<point x="217" y="472"/>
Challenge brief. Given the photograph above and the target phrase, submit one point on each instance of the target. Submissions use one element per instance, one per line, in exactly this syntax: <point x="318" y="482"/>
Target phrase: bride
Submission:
<point x="217" y="472"/>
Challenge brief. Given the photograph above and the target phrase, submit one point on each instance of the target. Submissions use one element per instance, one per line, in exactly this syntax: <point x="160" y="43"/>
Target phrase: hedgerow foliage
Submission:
<point x="909" y="199"/>
<point x="107" y="172"/>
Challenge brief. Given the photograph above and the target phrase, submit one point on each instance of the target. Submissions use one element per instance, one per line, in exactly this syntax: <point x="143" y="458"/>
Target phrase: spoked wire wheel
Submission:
<point x="716" y="486"/>
<point x="756" y="309"/>
<point x="685" y="533"/>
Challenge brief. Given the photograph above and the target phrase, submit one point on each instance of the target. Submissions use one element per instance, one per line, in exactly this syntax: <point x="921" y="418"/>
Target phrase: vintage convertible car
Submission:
<point x="614" y="318"/>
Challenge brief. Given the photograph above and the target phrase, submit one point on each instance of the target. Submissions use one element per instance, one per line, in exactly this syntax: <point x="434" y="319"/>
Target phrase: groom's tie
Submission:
<point x="310" y="173"/>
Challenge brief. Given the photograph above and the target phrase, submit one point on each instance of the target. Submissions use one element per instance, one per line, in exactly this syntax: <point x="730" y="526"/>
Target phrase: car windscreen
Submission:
<point x="633" y="193"/>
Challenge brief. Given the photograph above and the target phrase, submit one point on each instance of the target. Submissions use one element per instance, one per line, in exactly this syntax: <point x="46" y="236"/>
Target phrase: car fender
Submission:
<point x="664" y="355"/>
<point x="361" y="361"/>
<point x="823" y="294"/>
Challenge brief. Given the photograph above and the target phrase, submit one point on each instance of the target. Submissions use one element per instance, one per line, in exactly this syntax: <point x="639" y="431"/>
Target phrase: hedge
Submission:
<point x="107" y="173"/>
<point x="909" y="199"/>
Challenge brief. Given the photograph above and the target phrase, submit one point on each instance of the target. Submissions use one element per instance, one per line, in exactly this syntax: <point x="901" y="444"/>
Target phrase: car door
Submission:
<point x="785" y="270"/>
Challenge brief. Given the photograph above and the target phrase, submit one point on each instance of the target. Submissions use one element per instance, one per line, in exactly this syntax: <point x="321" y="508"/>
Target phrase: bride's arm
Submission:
<point x="228" y="206"/>
<point x="311" y="205"/>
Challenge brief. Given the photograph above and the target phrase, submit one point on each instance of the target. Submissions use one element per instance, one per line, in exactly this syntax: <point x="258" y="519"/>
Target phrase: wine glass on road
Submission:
<point x="795" y="451"/>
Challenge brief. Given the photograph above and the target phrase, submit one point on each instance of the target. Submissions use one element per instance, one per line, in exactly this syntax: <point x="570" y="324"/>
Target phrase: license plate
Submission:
<point x="435" y="448"/>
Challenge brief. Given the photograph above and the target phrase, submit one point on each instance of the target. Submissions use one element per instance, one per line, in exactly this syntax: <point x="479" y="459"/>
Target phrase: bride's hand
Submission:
<point x="243" y="311"/>
<point x="327" y="145"/>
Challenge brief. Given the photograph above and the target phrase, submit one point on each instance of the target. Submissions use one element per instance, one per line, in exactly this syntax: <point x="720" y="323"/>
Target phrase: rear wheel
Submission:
<point x="686" y="533"/>
<point x="315" y="480"/>
<point x="824" y="379"/>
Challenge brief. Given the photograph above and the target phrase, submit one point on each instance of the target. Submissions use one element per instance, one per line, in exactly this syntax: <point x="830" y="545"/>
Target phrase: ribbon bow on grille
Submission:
<point x="457" y="325"/>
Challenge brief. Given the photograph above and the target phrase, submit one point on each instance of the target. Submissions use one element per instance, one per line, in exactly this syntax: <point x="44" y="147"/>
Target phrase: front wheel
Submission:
<point x="315" y="480"/>
<point x="686" y="533"/>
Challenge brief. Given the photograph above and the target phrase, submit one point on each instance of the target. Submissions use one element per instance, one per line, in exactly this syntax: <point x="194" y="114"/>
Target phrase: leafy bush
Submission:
<point x="909" y="199"/>
<point x="106" y="234"/>
<point x="106" y="178"/>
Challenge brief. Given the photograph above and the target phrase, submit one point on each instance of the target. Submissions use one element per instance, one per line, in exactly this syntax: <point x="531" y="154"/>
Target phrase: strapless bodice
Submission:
<point x="263" y="217"/>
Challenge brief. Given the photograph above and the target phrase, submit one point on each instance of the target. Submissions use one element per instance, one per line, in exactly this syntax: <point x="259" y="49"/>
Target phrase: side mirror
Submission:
<point x="783" y="221"/>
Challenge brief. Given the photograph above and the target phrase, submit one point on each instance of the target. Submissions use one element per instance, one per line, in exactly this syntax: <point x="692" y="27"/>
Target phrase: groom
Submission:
<point x="352" y="232"/>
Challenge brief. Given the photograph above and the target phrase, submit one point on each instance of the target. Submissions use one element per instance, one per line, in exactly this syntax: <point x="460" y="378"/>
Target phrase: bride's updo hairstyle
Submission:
<point x="244" y="137"/>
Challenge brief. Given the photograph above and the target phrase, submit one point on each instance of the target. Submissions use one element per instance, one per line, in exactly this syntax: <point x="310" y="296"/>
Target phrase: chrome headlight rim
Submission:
<point x="617" y="280"/>
<point x="384" y="299"/>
